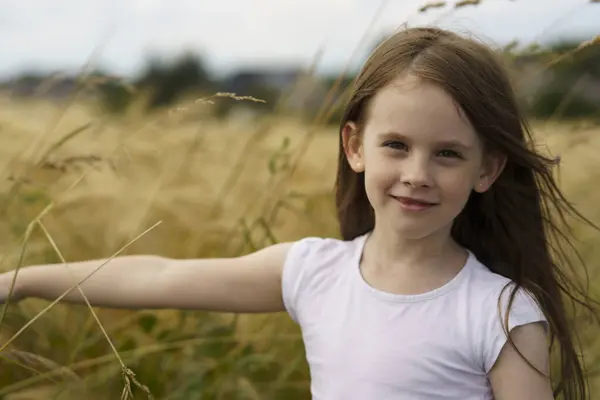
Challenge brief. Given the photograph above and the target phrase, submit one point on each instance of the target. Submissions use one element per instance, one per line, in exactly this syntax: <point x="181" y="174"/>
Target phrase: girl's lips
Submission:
<point x="413" y="204"/>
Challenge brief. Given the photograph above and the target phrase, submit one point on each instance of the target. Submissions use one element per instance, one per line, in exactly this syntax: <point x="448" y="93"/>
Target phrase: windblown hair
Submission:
<point x="517" y="226"/>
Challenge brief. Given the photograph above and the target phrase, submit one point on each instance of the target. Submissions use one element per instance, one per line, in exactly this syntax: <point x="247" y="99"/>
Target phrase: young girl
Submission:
<point x="444" y="211"/>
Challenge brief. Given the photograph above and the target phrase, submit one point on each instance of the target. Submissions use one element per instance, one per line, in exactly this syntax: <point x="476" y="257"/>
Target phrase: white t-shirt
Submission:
<point x="363" y="344"/>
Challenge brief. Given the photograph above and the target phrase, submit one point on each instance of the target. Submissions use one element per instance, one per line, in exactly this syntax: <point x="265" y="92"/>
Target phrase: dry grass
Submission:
<point x="128" y="176"/>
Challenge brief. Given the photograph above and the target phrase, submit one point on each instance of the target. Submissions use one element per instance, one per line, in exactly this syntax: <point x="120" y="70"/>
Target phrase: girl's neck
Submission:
<point x="389" y="251"/>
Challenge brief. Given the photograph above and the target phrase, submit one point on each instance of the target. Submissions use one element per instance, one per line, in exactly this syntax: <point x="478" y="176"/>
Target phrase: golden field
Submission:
<point x="218" y="188"/>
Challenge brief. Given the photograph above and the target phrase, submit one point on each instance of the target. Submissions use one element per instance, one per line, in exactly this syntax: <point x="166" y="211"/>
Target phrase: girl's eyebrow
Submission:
<point x="451" y="143"/>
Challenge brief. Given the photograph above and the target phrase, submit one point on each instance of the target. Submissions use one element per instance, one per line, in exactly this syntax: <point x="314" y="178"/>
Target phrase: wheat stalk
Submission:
<point x="64" y="140"/>
<point x="592" y="42"/>
<point x="582" y="45"/>
<point x="30" y="358"/>
<point x="14" y="360"/>
<point x="441" y="4"/>
<point x="236" y="97"/>
<point x="207" y="100"/>
<point x="465" y="3"/>
<point x="428" y="6"/>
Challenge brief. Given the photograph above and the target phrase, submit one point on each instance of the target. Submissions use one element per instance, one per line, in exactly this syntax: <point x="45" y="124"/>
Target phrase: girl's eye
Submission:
<point x="449" y="154"/>
<point x="394" y="144"/>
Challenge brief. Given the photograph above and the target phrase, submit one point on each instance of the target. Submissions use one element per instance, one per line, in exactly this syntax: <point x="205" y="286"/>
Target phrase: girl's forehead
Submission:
<point x="409" y="104"/>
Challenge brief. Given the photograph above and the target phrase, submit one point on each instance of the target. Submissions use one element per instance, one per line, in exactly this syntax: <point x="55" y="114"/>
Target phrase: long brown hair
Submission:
<point x="516" y="226"/>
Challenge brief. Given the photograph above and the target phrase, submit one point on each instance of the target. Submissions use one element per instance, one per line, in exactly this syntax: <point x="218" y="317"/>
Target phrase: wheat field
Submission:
<point x="218" y="188"/>
<point x="76" y="184"/>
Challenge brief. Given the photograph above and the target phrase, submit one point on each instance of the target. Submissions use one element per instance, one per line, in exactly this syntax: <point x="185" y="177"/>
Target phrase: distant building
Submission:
<point x="248" y="79"/>
<point x="300" y="89"/>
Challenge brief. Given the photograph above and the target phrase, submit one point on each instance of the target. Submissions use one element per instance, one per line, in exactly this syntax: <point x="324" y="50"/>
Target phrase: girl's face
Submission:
<point x="420" y="156"/>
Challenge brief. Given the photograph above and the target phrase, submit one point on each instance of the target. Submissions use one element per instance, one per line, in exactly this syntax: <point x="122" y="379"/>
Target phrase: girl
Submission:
<point x="444" y="215"/>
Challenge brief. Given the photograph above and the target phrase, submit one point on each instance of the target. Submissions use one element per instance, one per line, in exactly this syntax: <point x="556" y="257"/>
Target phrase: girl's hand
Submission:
<point x="5" y="286"/>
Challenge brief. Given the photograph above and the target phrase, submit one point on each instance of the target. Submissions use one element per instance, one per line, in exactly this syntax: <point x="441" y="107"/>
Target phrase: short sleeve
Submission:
<point x="524" y="310"/>
<point x="294" y="276"/>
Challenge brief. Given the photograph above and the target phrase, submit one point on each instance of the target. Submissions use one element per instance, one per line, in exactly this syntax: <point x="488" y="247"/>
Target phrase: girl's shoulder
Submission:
<point x="312" y="265"/>
<point x="492" y="287"/>
<point x="327" y="247"/>
<point x="312" y="253"/>
<point x="492" y="284"/>
<point x="498" y="305"/>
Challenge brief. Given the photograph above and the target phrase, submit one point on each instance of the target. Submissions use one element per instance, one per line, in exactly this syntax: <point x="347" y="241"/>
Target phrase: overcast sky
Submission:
<point x="60" y="35"/>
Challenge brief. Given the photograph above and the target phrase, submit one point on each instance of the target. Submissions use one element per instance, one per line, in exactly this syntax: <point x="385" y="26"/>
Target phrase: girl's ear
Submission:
<point x="491" y="169"/>
<point x="353" y="148"/>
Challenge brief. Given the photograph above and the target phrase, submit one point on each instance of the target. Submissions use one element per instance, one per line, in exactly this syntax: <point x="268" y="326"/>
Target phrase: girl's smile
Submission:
<point x="414" y="204"/>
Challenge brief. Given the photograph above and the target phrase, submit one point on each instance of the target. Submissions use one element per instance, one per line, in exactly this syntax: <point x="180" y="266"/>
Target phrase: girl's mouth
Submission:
<point x="414" y="204"/>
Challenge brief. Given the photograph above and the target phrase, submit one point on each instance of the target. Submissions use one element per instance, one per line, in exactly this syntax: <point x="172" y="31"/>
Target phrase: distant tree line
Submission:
<point x="569" y="88"/>
<point x="165" y="82"/>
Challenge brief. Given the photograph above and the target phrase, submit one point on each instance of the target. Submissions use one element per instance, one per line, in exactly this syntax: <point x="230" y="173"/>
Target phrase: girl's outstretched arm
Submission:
<point x="250" y="283"/>
<point x="511" y="377"/>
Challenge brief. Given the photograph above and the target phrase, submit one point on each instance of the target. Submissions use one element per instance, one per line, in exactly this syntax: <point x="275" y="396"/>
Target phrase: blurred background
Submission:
<point x="208" y="129"/>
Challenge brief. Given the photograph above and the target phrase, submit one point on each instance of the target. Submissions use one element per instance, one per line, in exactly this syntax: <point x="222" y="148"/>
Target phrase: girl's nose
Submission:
<point x="415" y="172"/>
